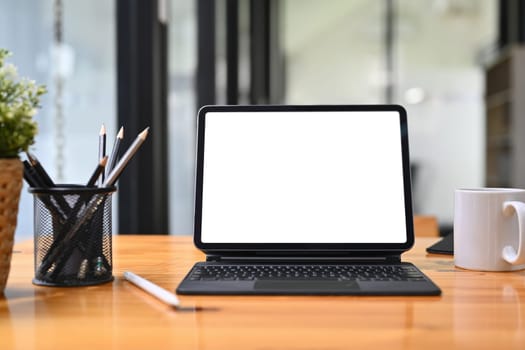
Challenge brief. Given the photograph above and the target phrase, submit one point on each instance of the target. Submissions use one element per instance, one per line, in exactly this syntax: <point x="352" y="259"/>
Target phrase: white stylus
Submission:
<point x="158" y="292"/>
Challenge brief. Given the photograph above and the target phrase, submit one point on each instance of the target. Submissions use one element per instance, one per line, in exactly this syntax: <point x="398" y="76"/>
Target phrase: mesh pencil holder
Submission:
<point x="73" y="231"/>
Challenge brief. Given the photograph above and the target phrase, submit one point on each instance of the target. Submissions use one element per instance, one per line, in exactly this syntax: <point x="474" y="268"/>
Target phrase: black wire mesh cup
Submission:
<point x="73" y="231"/>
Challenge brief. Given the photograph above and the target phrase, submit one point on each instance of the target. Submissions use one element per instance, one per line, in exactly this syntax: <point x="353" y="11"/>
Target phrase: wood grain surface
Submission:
<point x="478" y="310"/>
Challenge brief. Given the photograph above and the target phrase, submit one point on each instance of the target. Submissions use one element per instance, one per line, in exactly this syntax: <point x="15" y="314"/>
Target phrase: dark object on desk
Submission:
<point x="444" y="246"/>
<point x="288" y="202"/>
<point x="336" y="278"/>
<point x="73" y="223"/>
<point x="72" y="235"/>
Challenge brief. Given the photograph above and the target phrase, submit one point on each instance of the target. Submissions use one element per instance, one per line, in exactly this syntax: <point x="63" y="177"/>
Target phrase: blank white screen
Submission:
<point x="303" y="177"/>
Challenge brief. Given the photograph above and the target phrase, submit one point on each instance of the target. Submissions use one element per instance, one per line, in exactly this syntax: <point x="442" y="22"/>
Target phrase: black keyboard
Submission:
<point x="306" y="272"/>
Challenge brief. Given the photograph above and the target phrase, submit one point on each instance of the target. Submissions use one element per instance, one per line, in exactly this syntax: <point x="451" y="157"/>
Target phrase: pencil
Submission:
<point x="158" y="292"/>
<point x="29" y="175"/>
<point x="41" y="173"/>
<point x="102" y="147"/>
<point x="66" y="241"/>
<point x="117" y="170"/>
<point x="114" y="152"/>
<point x="98" y="170"/>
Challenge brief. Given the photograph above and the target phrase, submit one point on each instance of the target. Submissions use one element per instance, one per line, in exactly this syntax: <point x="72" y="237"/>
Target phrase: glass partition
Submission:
<point x="67" y="146"/>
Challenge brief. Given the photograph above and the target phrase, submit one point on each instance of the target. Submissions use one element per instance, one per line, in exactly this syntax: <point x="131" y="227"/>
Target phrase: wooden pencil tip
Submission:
<point x="103" y="130"/>
<point x="144" y="133"/>
<point x="120" y="134"/>
<point x="104" y="161"/>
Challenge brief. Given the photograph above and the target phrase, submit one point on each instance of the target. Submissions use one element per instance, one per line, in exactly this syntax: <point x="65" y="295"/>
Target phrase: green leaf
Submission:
<point x="19" y="101"/>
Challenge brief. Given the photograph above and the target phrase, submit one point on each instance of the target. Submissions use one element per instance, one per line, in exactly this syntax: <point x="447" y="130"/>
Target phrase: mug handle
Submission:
<point x="509" y="253"/>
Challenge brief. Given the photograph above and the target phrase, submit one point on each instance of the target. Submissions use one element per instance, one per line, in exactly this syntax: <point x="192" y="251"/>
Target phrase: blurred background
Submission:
<point x="455" y="65"/>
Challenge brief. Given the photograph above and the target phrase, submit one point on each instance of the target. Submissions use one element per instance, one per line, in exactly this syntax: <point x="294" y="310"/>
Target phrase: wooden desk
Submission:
<point x="477" y="310"/>
<point x="425" y="226"/>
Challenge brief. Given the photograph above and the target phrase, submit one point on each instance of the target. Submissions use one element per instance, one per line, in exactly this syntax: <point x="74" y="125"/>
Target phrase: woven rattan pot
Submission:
<point x="11" y="173"/>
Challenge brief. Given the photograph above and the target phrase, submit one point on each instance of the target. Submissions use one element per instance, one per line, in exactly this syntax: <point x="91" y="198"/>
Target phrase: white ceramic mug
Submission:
<point x="489" y="229"/>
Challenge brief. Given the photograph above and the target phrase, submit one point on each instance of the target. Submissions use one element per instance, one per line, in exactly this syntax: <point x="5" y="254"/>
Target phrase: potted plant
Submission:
<point x="19" y="100"/>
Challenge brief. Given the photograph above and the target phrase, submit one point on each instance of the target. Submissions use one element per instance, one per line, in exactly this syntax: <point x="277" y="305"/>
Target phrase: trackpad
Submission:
<point x="306" y="286"/>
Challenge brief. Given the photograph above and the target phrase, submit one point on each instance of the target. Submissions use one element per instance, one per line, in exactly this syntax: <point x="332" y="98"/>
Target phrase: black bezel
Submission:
<point x="306" y="249"/>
